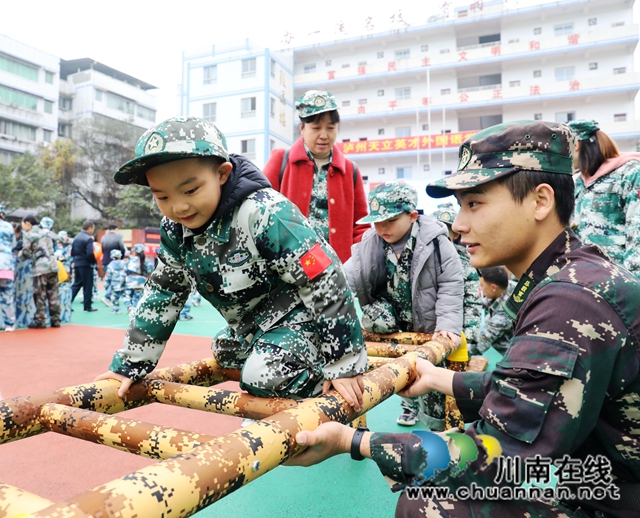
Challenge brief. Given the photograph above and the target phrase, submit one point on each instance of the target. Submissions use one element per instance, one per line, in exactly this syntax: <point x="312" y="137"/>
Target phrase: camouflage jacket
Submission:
<point x="255" y="263"/>
<point x="608" y="214"/>
<point x="472" y="306"/>
<point x="38" y="245"/>
<point x="569" y="383"/>
<point x="497" y="328"/>
<point x="116" y="275"/>
<point x="134" y="280"/>
<point x="7" y="244"/>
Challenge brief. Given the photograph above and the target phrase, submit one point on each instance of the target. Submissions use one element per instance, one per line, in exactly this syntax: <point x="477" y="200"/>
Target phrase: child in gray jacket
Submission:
<point x="408" y="277"/>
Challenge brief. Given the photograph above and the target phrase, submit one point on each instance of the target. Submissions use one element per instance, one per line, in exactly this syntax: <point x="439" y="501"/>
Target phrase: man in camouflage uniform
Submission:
<point x="607" y="210"/>
<point x="39" y="246"/>
<point x="497" y="326"/>
<point x="7" y="266"/>
<point x="568" y="389"/>
<point x="407" y="277"/>
<point x="292" y="324"/>
<point x="472" y="306"/>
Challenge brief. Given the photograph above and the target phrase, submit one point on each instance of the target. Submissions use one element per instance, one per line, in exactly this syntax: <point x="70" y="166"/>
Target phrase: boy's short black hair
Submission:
<point x="211" y="161"/>
<point x="30" y="218"/>
<point x="333" y="115"/>
<point x="523" y="182"/>
<point x="495" y="275"/>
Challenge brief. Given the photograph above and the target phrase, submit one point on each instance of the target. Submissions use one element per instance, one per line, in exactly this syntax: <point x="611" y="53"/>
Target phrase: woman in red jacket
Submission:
<point x="316" y="176"/>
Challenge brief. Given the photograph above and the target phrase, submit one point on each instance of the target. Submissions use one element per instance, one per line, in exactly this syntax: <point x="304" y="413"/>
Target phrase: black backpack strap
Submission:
<point x="283" y="166"/>
<point x="436" y="248"/>
<point x="355" y="174"/>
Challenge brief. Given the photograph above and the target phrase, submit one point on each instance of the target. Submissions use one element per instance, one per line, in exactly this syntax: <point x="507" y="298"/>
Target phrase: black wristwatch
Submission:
<point x="355" y="443"/>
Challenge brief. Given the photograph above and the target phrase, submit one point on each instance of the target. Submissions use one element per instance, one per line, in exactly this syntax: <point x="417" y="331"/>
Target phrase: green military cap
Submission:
<point x="507" y="148"/>
<point x="174" y="139"/>
<point x="583" y="129"/>
<point x="446" y="213"/>
<point x="314" y="102"/>
<point x="388" y="200"/>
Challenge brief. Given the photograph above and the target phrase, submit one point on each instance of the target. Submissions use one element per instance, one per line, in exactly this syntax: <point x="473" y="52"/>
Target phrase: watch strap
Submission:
<point x="355" y="443"/>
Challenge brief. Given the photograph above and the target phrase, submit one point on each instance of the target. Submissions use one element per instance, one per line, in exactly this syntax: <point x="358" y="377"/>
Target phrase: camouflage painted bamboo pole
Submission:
<point x="191" y="481"/>
<point x="390" y="350"/>
<point x="377" y="361"/>
<point x="144" y="439"/>
<point x="404" y="338"/>
<point x="219" y="401"/>
<point x="14" y="501"/>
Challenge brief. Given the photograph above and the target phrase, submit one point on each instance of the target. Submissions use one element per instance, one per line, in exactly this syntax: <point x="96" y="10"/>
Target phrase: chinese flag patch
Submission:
<point x="314" y="262"/>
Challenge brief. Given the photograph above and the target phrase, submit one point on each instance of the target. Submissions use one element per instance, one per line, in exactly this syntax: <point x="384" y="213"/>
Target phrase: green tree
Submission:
<point x="60" y="158"/>
<point x="136" y="207"/>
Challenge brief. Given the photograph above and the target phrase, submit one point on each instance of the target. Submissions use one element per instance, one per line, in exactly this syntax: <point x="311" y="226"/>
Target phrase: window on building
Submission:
<point x="445" y="51"/>
<point x="272" y="107"/>
<point x="18" y="98"/>
<point x="249" y="67"/>
<point x="18" y="68"/>
<point x="593" y="21"/>
<point x="380" y="170"/>
<point x="327" y="63"/>
<point x="15" y="129"/>
<point x="47" y="135"/>
<point x="537" y="73"/>
<point x="537" y="30"/>
<point x="426" y="168"/>
<point x="425" y="127"/>
<point x="403" y="93"/>
<point x="513" y="84"/>
<point x="563" y="29"/>
<point x="210" y="75"/>
<point x="380" y="93"/>
<point x="117" y="102"/>
<point x="362" y="101"/>
<point x="620" y="70"/>
<point x="272" y="69"/>
<point x="619" y="117"/>
<point x="363" y="138"/>
<point x="380" y="55"/>
<point x="48" y="77"/>
<point x="309" y="69"/>
<point x="593" y="66"/>
<point x="6" y="157"/>
<point x="248" y="107"/>
<point x="617" y="24"/>
<point x="404" y="131"/>
<point x="248" y="147"/>
<point x="424" y="48"/>
<point x="362" y="63"/>
<point x="272" y="145"/>
<point x="64" y="130"/>
<point x="565" y="116"/>
<point x="380" y="131"/>
<point x="65" y="103"/>
<point x="48" y="106"/>
<point x="403" y="54"/>
<point x="146" y="113"/>
<point x="346" y="65"/>
<point x="98" y="95"/>
<point x="404" y="172"/>
<point x="346" y="103"/>
<point x="537" y="116"/>
<point x="565" y="73"/>
<point x="445" y="91"/>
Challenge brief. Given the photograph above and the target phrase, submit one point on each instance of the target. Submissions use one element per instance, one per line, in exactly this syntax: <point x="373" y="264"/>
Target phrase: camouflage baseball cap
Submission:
<point x="505" y="149"/>
<point x="138" y="248"/>
<point x="46" y="223"/>
<point x="388" y="200"/>
<point x="583" y="129"/>
<point x="115" y="254"/>
<point x="446" y="213"/>
<point x="314" y="102"/>
<point x="174" y="139"/>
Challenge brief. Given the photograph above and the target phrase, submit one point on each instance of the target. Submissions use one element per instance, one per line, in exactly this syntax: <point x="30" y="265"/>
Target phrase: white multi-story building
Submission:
<point x="409" y="97"/>
<point x="246" y="90"/>
<point x="29" y="85"/>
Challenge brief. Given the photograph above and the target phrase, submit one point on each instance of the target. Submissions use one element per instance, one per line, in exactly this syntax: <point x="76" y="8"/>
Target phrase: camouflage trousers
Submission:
<point x="131" y="298"/>
<point x="380" y="317"/>
<point x="45" y="288"/>
<point x="281" y="362"/>
<point x="64" y="293"/>
<point x="114" y="297"/>
<point x="453" y="508"/>
<point x="7" y="303"/>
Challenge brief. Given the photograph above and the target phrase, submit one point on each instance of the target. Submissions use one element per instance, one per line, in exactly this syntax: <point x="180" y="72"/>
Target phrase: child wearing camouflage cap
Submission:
<point x="292" y="324"/>
<point x="315" y="175"/>
<point x="407" y="276"/>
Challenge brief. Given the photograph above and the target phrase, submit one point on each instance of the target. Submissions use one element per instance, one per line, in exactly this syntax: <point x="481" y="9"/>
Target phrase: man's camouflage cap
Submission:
<point x="174" y="139"/>
<point x="583" y="129"/>
<point x="446" y="213"/>
<point x="314" y="102"/>
<point x="505" y="149"/>
<point x="388" y="200"/>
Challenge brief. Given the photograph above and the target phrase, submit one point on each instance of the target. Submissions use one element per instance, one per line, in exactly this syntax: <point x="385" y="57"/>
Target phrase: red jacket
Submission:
<point x="347" y="201"/>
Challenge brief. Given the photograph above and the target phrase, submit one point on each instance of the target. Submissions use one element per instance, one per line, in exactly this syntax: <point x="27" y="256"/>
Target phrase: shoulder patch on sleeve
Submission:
<point x="315" y="261"/>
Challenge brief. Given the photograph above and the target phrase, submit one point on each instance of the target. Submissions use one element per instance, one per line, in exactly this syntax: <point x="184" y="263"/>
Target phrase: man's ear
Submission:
<point x="224" y="170"/>
<point x="414" y="216"/>
<point x="545" y="201"/>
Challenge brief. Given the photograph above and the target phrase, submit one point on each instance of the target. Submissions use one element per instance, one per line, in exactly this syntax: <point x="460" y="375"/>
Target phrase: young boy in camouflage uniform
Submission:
<point x="114" y="280"/>
<point x="568" y="389"/>
<point x="292" y="324"/>
<point x="472" y="305"/>
<point x="407" y="277"/>
<point x="7" y="266"/>
<point x="496" y="329"/>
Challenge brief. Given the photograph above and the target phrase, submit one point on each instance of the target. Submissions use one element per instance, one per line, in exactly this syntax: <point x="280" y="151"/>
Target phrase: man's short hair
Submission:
<point x="30" y="218"/>
<point x="495" y="275"/>
<point x="112" y="226"/>
<point x="88" y="224"/>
